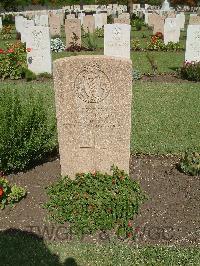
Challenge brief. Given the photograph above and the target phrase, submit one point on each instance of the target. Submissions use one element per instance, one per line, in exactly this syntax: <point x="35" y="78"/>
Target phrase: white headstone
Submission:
<point x="98" y="21"/>
<point x="117" y="40"/>
<point x="39" y="57"/>
<point x="171" y="30"/>
<point x="44" y="20"/>
<point x="193" y="43"/>
<point x="181" y="20"/>
<point x="1" y="23"/>
<point x="26" y="25"/>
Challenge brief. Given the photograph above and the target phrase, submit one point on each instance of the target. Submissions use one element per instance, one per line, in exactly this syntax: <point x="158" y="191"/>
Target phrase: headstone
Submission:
<point x="19" y="20"/>
<point x="124" y="16"/>
<point x="181" y="20"/>
<point x="171" y="30"/>
<point x="93" y="109"/>
<point x="26" y="25"/>
<point x="117" y="40"/>
<point x="1" y="26"/>
<point x="54" y="23"/>
<point x="71" y="16"/>
<point x="152" y="19"/>
<point x="80" y="16"/>
<point x="194" y="20"/>
<point x="122" y="21"/>
<point x="89" y="23"/>
<point x="44" y="20"/>
<point x="98" y="21"/>
<point x="73" y="26"/>
<point x="159" y="25"/>
<point x="193" y="43"/>
<point x="39" y="57"/>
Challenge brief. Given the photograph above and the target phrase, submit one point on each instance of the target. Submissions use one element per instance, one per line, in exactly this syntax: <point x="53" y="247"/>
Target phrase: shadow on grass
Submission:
<point x="22" y="248"/>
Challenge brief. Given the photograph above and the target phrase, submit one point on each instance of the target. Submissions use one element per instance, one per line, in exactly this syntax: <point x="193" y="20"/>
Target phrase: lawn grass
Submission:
<point x="165" y="116"/>
<point x="23" y="249"/>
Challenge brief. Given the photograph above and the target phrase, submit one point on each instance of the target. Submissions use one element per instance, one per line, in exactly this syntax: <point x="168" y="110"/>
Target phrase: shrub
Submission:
<point x="156" y="44"/>
<point x="13" y="61"/>
<point x="29" y="75"/>
<point x="6" y="32"/>
<point x="57" y="45"/>
<point x="190" y="71"/>
<point x="10" y="194"/>
<point x="99" y="32"/>
<point x="90" y="41"/>
<point x="136" y="74"/>
<point x="135" y="45"/>
<point x="95" y="201"/>
<point x="26" y="134"/>
<point x="171" y="46"/>
<point x="190" y="163"/>
<point x="138" y="24"/>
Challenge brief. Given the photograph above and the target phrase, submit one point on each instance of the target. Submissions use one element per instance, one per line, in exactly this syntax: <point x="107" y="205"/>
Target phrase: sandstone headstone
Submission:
<point x="122" y="21"/>
<point x="54" y="23"/>
<point x="193" y="43"/>
<point x="39" y="57"/>
<point x="93" y="109"/>
<point x="71" y="16"/>
<point x="194" y="20"/>
<point x="89" y="23"/>
<point x="171" y="30"/>
<point x="159" y="25"/>
<point x="124" y="16"/>
<point x="73" y="32"/>
<point x="117" y="40"/>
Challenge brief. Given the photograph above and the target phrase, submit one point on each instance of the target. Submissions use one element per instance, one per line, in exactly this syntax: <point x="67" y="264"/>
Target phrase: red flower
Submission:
<point x="1" y="51"/>
<point x="10" y="51"/>
<point x="1" y="192"/>
<point x="129" y="224"/>
<point x="28" y="50"/>
<point x="129" y="235"/>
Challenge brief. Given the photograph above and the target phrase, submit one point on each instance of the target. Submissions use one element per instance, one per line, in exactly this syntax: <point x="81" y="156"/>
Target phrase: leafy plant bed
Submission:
<point x="169" y="217"/>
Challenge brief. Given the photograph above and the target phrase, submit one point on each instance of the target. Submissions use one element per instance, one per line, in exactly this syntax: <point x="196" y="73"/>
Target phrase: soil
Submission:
<point x="165" y="77"/>
<point x="170" y="216"/>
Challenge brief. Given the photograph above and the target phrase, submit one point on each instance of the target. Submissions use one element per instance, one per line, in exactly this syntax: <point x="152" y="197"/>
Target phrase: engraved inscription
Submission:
<point x="92" y="85"/>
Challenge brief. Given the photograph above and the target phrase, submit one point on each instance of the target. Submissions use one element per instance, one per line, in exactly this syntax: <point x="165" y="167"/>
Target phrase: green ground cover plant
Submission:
<point x="96" y="201"/>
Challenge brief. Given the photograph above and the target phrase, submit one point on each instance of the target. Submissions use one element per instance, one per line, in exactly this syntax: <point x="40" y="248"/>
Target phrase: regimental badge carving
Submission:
<point x="92" y="85"/>
<point x="117" y="33"/>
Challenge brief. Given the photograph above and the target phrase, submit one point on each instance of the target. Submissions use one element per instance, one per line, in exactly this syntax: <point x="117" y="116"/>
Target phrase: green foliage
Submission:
<point x="29" y="75"/>
<point x="26" y="134"/>
<point x="190" y="163"/>
<point x="13" y="61"/>
<point x="153" y="63"/>
<point x="136" y="74"/>
<point x="9" y="19"/>
<point x="90" y="41"/>
<point x="6" y="32"/>
<point x="190" y="71"/>
<point x="135" y="45"/>
<point x="99" y="32"/>
<point x="10" y="194"/>
<point x="138" y="24"/>
<point x="95" y="201"/>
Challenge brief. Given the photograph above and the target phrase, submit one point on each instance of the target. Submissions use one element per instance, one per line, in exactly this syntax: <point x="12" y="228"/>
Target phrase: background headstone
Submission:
<point x="54" y="23"/>
<point x="117" y="40"/>
<point x="72" y="26"/>
<point x="122" y="21"/>
<point x="39" y="58"/>
<point x="171" y="30"/>
<point x="93" y="109"/>
<point x="89" y="23"/>
<point x="193" y="43"/>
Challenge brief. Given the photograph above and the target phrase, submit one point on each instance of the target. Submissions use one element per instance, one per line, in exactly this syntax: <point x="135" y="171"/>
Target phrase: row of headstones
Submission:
<point x="116" y="43"/>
